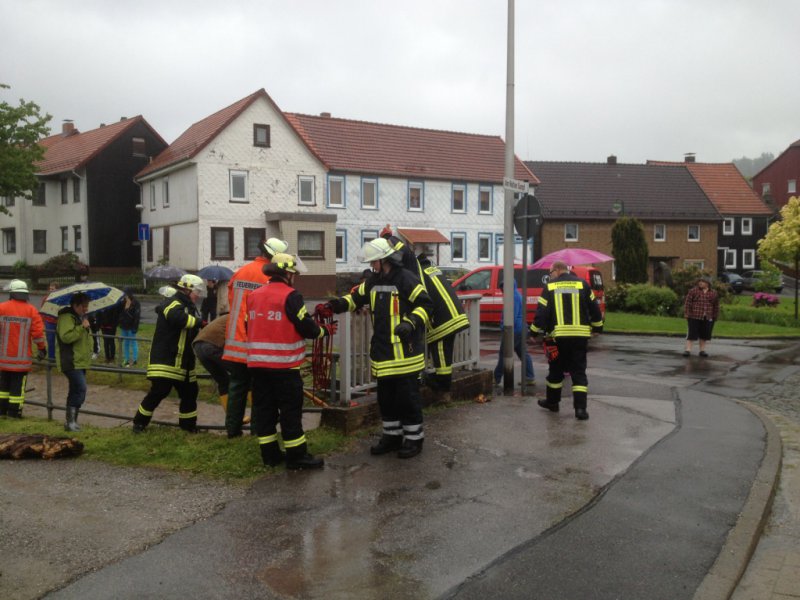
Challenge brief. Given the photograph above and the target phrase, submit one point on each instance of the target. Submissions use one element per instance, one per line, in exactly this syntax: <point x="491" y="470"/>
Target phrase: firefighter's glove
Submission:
<point x="337" y="305"/>
<point x="404" y="331"/>
<point x="330" y="328"/>
<point x="41" y="354"/>
<point x="323" y="311"/>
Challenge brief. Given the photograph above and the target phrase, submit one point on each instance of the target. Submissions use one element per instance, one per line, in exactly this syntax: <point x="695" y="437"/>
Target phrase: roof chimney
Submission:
<point x="688" y="157"/>
<point x="611" y="160"/>
<point x="67" y="128"/>
<point x="123" y="119"/>
<point x="325" y="115"/>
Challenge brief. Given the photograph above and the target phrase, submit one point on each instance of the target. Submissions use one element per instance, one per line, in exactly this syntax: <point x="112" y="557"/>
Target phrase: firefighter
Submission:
<point x="407" y="257"/>
<point x="401" y="310"/>
<point x="278" y="324"/>
<point x="447" y="320"/>
<point x="567" y="312"/>
<point x="21" y="328"/>
<point x="248" y="278"/>
<point x="172" y="361"/>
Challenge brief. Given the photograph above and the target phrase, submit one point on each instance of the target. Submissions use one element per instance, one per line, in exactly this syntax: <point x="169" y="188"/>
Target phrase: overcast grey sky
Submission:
<point x="636" y="78"/>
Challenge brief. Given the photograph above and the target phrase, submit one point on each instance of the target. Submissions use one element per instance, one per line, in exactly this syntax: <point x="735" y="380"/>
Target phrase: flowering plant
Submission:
<point x="762" y="299"/>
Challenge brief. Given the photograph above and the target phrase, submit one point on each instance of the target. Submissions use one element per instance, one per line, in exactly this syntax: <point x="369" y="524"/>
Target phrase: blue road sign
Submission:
<point x="144" y="232"/>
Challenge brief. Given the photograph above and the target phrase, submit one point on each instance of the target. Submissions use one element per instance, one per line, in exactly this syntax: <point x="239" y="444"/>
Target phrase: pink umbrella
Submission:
<point x="572" y="256"/>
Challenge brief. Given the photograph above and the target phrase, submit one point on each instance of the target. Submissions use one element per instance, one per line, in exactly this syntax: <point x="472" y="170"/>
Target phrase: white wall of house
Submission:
<point x="356" y="221"/>
<point x="200" y="193"/>
<point x="25" y="218"/>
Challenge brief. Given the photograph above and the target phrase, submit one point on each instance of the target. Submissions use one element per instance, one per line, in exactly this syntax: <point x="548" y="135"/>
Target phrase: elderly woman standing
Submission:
<point x="701" y="309"/>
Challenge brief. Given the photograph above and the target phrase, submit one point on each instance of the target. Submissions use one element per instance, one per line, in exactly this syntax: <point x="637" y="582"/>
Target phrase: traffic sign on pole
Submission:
<point x="144" y="232"/>
<point x="515" y="185"/>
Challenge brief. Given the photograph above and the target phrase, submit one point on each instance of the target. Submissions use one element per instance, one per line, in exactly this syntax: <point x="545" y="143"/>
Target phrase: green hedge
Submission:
<point x="652" y="300"/>
<point x="749" y="314"/>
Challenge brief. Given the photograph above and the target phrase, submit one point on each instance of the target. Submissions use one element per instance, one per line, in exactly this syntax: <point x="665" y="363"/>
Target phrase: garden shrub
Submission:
<point x="768" y="300"/>
<point x="749" y="314"/>
<point x="652" y="300"/>
<point x="615" y="296"/>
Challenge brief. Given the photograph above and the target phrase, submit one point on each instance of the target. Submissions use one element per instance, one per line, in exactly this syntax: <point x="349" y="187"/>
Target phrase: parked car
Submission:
<point x="486" y="282"/>
<point x="750" y="278"/>
<point x="734" y="281"/>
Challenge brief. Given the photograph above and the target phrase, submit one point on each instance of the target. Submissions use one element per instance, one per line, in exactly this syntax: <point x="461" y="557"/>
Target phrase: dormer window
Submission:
<point x="139" y="147"/>
<point x="261" y="135"/>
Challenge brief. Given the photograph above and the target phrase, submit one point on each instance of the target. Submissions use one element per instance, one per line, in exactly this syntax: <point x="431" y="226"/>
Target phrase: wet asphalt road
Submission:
<point x="506" y="501"/>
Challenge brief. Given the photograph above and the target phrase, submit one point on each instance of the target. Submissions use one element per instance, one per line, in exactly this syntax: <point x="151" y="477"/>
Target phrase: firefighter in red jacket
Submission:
<point x="21" y="328"/>
<point x="248" y="278"/>
<point x="278" y="325"/>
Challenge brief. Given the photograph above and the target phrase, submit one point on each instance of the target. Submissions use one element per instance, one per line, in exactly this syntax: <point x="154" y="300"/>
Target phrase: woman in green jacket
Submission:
<point x="74" y="354"/>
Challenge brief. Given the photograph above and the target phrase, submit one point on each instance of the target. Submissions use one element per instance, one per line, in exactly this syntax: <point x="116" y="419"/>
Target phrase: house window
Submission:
<point x="570" y="232"/>
<point x="416" y="201"/>
<point x="261" y="135"/>
<point x="165" y="254"/>
<point x="341" y="245"/>
<point x="238" y="186"/>
<point x="369" y="194"/>
<point x="8" y="201"/>
<point x="311" y="244"/>
<point x="727" y="226"/>
<point x="64" y="192"/>
<point x="484" y="247"/>
<point x="458" y="201"/>
<point x="305" y="187"/>
<point x="152" y="195"/>
<point x="76" y="190"/>
<point x="730" y="259"/>
<point x="10" y="241"/>
<point x="41" y="192"/>
<point x="139" y="147"/>
<point x="222" y="243"/>
<point x="367" y="235"/>
<point x="40" y="241"/>
<point x="765" y="190"/>
<point x="458" y="247"/>
<point x="253" y="240"/>
<point x="697" y="264"/>
<point x="748" y="259"/>
<point x="792" y="188"/>
<point x="165" y="193"/>
<point x="77" y="244"/>
<point x="485" y="200"/>
<point x="747" y="226"/>
<point x="335" y="192"/>
<point x="65" y="239"/>
<point x="693" y="233"/>
<point x="659" y="232"/>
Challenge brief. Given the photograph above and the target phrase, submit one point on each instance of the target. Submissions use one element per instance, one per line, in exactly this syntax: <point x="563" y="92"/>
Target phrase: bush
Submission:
<point x="615" y="297"/>
<point x="762" y="299"/>
<point x="652" y="300"/>
<point x="749" y="314"/>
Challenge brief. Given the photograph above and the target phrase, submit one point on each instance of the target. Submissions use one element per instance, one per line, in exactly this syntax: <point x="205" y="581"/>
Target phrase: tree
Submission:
<point x="750" y="166"/>
<point x="629" y="247"/>
<point x="21" y="128"/>
<point x="782" y="242"/>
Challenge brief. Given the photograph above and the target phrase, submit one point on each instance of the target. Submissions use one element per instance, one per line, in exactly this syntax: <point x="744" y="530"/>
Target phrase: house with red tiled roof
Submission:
<point x="778" y="181"/>
<point x="324" y="184"/>
<point x="745" y="217"/>
<point x="582" y="201"/>
<point x="86" y="201"/>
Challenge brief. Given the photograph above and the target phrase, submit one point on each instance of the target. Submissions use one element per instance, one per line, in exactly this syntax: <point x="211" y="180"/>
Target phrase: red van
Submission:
<point x="486" y="282"/>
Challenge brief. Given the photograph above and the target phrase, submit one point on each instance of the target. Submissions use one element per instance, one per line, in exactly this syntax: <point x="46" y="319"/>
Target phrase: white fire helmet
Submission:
<point x="376" y="249"/>
<point x="192" y="283"/>
<point x="275" y="246"/>
<point x="288" y="263"/>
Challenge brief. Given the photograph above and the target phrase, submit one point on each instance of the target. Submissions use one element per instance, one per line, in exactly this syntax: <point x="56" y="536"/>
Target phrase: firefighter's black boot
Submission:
<point x="3" y="407"/>
<point x="552" y="400"/>
<point x="71" y="423"/>
<point x="579" y="401"/>
<point x="140" y="420"/>
<point x="387" y="443"/>
<point x="14" y="411"/>
<point x="410" y="448"/>
<point x="298" y="458"/>
<point x="271" y="454"/>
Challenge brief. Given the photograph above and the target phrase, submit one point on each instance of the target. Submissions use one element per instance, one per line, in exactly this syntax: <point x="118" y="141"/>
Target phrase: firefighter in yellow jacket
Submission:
<point x="172" y="361"/>
<point x="21" y="328"/>
<point x="278" y="325"/>
<point x="401" y="310"/>
<point x="568" y="312"/>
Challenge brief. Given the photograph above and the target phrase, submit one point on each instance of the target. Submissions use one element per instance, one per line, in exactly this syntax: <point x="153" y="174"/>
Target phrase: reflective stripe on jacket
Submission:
<point x="244" y="282"/>
<point x="567" y="308"/>
<point x="21" y="328"/>
<point x="171" y="355"/>
<point x="448" y="316"/>
<point x="273" y="341"/>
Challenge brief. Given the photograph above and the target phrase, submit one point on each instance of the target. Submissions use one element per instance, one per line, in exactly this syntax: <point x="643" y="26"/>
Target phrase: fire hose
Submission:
<point x="321" y="356"/>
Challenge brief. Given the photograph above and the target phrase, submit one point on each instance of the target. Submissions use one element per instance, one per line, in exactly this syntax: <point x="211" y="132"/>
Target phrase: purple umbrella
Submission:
<point x="571" y="256"/>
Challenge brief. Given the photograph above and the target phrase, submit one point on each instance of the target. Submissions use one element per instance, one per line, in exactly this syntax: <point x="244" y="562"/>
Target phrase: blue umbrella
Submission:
<point x="101" y="297"/>
<point x="215" y="272"/>
<point x="167" y="272"/>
